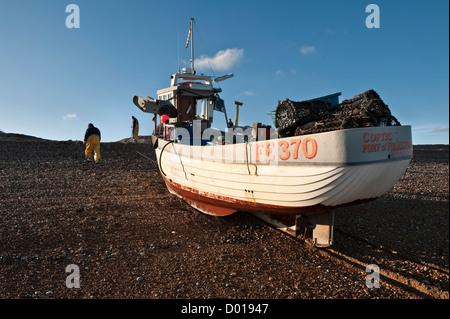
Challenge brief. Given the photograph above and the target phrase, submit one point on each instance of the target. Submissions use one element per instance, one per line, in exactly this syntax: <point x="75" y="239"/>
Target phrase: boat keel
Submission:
<point x="322" y="232"/>
<point x="316" y="228"/>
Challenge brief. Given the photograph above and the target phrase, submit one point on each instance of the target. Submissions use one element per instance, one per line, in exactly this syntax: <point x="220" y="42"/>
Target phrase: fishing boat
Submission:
<point x="284" y="179"/>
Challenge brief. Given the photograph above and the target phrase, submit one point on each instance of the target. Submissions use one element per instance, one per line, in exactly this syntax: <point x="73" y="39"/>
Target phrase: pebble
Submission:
<point x="203" y="264"/>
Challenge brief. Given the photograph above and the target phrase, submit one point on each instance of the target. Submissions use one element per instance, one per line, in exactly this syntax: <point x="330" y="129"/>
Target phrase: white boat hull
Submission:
<point x="300" y="175"/>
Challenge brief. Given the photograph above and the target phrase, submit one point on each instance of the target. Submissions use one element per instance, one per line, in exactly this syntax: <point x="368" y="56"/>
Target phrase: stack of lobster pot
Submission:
<point x="316" y="116"/>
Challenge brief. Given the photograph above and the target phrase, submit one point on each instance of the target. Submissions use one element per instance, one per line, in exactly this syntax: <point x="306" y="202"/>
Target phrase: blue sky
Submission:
<point x="55" y="80"/>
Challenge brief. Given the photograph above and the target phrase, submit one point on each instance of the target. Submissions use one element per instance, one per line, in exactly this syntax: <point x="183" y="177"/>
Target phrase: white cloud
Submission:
<point x="70" y="116"/>
<point x="306" y="49"/>
<point x="247" y="93"/>
<point x="429" y="128"/>
<point x="222" y="61"/>
<point x="441" y="129"/>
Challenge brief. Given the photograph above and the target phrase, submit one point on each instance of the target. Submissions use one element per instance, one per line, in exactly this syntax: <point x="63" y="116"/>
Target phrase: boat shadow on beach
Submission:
<point x="406" y="238"/>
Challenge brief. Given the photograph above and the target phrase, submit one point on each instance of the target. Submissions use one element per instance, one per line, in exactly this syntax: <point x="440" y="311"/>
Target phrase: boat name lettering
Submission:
<point x="376" y="137"/>
<point x="384" y="143"/>
<point x="287" y="149"/>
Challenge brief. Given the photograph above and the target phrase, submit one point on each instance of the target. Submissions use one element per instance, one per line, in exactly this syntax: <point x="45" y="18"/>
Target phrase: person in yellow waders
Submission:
<point x="134" y="129"/>
<point x="92" y="141"/>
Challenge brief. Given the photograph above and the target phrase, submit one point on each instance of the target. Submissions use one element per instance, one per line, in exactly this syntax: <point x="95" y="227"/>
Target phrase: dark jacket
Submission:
<point x="92" y="131"/>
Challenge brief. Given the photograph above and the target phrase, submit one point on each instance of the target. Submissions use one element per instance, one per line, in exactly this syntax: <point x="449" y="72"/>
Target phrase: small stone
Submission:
<point x="140" y="279"/>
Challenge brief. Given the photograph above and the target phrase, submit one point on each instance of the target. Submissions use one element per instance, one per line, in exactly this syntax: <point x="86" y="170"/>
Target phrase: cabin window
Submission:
<point x="201" y="106"/>
<point x="205" y="109"/>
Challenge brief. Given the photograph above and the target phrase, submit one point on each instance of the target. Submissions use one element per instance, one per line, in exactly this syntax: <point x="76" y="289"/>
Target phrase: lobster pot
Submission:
<point x="290" y="114"/>
<point x="317" y="116"/>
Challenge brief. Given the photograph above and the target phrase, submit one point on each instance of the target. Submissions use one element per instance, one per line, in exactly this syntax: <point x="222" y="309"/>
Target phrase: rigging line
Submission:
<point x="248" y="147"/>
<point x="153" y="161"/>
<point x="201" y="43"/>
<point x="246" y="158"/>
<point x="178" y="56"/>
<point x="181" y="161"/>
<point x="184" y="55"/>
<point x="160" y="157"/>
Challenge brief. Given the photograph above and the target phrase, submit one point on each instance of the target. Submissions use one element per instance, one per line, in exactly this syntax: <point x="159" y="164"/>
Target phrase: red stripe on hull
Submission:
<point x="221" y="205"/>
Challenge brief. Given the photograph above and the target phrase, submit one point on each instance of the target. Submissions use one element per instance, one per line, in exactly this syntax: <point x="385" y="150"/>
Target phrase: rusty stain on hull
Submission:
<point x="218" y="205"/>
